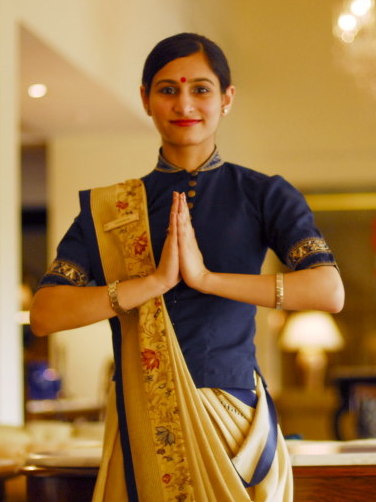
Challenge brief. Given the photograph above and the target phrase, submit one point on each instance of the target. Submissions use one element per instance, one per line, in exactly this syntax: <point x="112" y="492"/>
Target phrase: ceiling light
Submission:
<point x="361" y="7"/>
<point x="37" y="90"/>
<point x="347" y="22"/>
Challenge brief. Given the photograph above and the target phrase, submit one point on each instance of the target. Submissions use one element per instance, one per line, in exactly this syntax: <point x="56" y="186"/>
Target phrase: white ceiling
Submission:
<point x="74" y="102"/>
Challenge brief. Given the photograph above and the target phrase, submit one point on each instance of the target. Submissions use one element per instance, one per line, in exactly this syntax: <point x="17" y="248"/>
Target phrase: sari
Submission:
<point x="165" y="440"/>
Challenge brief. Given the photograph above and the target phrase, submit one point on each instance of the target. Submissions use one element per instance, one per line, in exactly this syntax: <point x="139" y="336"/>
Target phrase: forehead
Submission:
<point x="190" y="67"/>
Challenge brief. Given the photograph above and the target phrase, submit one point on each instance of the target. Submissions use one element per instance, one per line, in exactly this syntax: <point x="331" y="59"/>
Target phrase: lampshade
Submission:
<point x="312" y="330"/>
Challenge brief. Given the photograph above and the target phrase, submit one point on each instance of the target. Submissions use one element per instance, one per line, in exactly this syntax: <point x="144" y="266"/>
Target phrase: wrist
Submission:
<point x="157" y="285"/>
<point x="134" y="292"/>
<point x="204" y="284"/>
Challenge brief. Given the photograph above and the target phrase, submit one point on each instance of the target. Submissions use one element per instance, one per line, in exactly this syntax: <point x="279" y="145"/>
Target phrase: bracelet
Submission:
<point x="114" y="300"/>
<point x="279" y="292"/>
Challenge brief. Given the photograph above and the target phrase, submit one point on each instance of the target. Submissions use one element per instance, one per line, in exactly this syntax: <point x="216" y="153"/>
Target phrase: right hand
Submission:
<point x="168" y="268"/>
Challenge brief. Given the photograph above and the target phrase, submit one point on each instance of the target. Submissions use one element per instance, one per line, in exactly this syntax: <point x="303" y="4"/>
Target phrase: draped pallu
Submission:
<point x="166" y="440"/>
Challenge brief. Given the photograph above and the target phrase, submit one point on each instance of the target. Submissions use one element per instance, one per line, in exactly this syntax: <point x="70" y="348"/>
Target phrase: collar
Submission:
<point x="212" y="162"/>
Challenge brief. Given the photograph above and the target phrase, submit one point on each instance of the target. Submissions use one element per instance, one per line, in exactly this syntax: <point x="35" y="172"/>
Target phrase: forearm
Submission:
<point x="312" y="289"/>
<point x="66" y="307"/>
<point x="59" y="308"/>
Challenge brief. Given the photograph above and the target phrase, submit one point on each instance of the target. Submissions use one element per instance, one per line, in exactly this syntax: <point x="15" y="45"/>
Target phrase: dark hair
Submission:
<point x="182" y="45"/>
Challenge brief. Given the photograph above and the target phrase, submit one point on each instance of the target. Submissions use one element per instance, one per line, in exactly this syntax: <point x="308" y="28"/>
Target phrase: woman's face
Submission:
<point x="186" y="102"/>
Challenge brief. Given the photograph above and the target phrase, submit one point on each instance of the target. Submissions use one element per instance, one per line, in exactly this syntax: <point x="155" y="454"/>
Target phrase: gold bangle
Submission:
<point x="114" y="299"/>
<point x="279" y="291"/>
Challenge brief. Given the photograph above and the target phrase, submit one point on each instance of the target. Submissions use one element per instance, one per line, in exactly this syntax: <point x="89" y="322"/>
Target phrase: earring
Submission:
<point x="225" y="110"/>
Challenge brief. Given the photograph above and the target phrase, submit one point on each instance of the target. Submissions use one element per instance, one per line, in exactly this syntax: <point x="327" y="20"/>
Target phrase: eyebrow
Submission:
<point x="193" y="80"/>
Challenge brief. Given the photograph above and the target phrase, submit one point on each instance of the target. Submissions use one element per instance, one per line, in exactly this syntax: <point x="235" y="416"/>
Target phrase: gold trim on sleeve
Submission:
<point x="305" y="248"/>
<point x="70" y="271"/>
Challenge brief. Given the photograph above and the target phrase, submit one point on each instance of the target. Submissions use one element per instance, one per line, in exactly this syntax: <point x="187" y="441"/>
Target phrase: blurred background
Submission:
<point x="71" y="118"/>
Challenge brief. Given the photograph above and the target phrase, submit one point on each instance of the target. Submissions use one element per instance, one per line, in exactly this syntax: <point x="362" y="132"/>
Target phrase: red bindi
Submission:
<point x="183" y="79"/>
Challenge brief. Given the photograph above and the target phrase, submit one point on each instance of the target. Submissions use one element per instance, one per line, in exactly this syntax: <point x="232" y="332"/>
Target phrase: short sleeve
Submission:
<point x="71" y="265"/>
<point x="290" y="228"/>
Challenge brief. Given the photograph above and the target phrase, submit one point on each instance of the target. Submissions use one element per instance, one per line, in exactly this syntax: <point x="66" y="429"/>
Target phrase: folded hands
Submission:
<point x="181" y="257"/>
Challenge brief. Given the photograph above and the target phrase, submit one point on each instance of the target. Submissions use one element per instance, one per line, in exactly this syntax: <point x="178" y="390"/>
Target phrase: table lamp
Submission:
<point x="311" y="334"/>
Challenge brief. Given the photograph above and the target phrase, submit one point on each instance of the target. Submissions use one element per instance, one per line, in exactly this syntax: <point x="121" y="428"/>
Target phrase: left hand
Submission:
<point x="167" y="272"/>
<point x="192" y="267"/>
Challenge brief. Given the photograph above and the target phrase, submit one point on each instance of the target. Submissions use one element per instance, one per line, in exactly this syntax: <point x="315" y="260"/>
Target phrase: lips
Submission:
<point x="185" y="122"/>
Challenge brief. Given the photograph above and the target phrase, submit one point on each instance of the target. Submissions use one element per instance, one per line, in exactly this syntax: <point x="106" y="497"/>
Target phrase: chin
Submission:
<point x="187" y="140"/>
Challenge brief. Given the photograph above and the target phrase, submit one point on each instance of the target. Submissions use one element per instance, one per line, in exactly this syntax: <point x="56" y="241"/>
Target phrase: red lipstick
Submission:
<point x="185" y="122"/>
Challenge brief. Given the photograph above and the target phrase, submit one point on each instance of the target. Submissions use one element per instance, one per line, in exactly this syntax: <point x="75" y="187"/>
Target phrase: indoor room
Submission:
<point x="72" y="119"/>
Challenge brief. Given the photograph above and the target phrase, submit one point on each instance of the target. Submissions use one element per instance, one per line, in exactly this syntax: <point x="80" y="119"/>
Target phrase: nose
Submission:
<point x="184" y="104"/>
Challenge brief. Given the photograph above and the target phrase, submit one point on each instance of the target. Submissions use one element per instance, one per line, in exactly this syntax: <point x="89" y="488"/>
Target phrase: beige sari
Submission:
<point x="166" y="440"/>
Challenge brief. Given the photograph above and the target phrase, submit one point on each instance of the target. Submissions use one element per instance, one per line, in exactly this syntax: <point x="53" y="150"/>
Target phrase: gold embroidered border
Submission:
<point x="70" y="271"/>
<point x="305" y="248"/>
<point x="155" y="356"/>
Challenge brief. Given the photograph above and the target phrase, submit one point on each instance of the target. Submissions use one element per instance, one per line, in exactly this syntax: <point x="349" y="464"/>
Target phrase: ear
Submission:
<point x="227" y="99"/>
<point x="145" y="99"/>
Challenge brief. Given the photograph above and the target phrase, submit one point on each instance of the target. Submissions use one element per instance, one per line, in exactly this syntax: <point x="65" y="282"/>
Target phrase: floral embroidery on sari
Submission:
<point x="155" y="360"/>
<point x="140" y="244"/>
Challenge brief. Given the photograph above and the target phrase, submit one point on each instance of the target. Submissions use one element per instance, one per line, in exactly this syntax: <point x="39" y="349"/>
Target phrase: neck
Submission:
<point x="188" y="158"/>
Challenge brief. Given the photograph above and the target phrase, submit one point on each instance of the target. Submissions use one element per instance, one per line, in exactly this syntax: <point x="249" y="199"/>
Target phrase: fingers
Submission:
<point x="184" y="216"/>
<point x="168" y="268"/>
<point x="183" y="206"/>
<point x="172" y="226"/>
<point x="191" y="263"/>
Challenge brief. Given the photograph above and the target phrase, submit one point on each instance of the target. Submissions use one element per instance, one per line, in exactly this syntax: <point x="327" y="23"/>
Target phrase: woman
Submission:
<point x="193" y="420"/>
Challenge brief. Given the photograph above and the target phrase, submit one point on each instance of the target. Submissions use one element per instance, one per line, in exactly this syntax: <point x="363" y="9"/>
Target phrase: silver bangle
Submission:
<point x="114" y="300"/>
<point x="279" y="291"/>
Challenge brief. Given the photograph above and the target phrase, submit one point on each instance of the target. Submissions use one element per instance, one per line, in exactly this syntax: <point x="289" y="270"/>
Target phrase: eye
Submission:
<point x="201" y="89"/>
<point x="168" y="90"/>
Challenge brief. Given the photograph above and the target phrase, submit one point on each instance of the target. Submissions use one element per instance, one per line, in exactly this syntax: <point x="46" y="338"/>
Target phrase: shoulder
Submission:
<point x="250" y="174"/>
<point x="263" y="183"/>
<point x="86" y="194"/>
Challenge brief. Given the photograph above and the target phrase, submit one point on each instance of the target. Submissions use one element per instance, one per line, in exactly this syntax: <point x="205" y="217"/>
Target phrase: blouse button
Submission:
<point x="190" y="205"/>
<point x="191" y="193"/>
<point x="192" y="183"/>
<point x="194" y="173"/>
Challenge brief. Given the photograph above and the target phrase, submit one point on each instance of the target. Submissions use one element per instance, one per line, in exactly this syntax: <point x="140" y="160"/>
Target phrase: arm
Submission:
<point x="65" y="307"/>
<point x="317" y="288"/>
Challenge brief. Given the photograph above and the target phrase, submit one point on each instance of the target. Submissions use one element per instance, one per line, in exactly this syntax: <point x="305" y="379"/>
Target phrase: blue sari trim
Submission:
<point x="246" y="396"/>
<point x="267" y="456"/>
<point x="249" y="398"/>
<point x="123" y="428"/>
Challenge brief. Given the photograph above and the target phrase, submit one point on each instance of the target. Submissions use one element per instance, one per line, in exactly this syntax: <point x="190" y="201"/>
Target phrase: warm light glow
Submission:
<point x="311" y="333"/>
<point x="361" y="7"/>
<point x="347" y="22"/>
<point x="311" y="330"/>
<point x="347" y="37"/>
<point x="37" y="90"/>
<point x="355" y="28"/>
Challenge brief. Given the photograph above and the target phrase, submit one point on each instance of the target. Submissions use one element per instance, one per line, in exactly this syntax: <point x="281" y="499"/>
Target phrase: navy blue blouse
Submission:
<point x="237" y="214"/>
